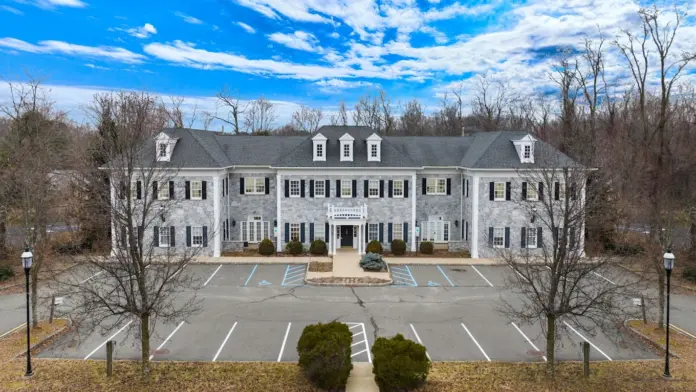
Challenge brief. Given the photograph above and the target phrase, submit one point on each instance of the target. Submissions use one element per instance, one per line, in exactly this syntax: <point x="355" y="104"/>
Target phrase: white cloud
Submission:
<point x="11" y="10"/>
<point x="51" y="4"/>
<point x="96" y="67"/>
<point x="299" y="40"/>
<point x="440" y="37"/>
<point x="247" y="28"/>
<point x="334" y="35"/>
<point x="188" y="18"/>
<point x="60" y="47"/>
<point x="142" y="32"/>
<point x="331" y="85"/>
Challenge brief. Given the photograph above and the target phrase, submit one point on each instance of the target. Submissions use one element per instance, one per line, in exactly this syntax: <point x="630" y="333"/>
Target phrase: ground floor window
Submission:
<point x="255" y="229"/>
<point x="435" y="231"/>
<point x="498" y="237"/>
<point x="531" y="237"/>
<point x="164" y="237"/>
<point x="319" y="232"/>
<point x="372" y="232"/>
<point x="397" y="231"/>
<point x="294" y="232"/>
<point x="196" y="236"/>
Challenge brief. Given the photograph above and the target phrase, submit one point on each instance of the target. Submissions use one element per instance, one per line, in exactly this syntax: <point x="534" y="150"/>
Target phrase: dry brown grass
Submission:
<point x="320" y="266"/>
<point x="16" y="342"/>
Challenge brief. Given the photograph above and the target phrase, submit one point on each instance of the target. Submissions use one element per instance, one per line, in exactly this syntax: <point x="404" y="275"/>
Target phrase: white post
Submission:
<point x="217" y="238"/>
<point x="358" y="239"/>
<point x="414" y="192"/>
<point x="279" y="247"/>
<point x="332" y="238"/>
<point x="114" y="240"/>
<point x="475" y="217"/>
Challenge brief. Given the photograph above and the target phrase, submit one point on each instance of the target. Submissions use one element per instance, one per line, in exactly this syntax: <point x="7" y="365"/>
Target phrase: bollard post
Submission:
<point x="109" y="357"/>
<point x="586" y="358"/>
<point x="53" y="308"/>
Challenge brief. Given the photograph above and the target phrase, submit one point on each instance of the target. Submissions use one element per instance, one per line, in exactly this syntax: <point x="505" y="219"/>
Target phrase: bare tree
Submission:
<point x="341" y="117"/>
<point x="388" y="122"/>
<point x="488" y="104"/>
<point x="177" y="115"/>
<point x="306" y="119"/>
<point x="259" y="116"/>
<point x="229" y="101"/>
<point x="413" y="120"/>
<point x="367" y="112"/>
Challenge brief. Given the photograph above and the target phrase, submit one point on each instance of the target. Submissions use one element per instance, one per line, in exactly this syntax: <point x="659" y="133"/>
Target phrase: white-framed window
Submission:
<point x="435" y="230"/>
<point x="373" y="188"/>
<point x="255" y="229"/>
<point x="346" y="150"/>
<point x="436" y="186"/>
<point x="531" y="237"/>
<point x="164" y="237"/>
<point x="319" y="189"/>
<point x="561" y="191"/>
<point x="255" y="186"/>
<point x="196" y="190"/>
<point x="398" y="188"/>
<point x="527" y="151"/>
<point x="397" y="231"/>
<point x="372" y="232"/>
<point x="162" y="148"/>
<point x="294" y="188"/>
<point x="532" y="193"/>
<point x="196" y="236"/>
<point x="319" y="232"/>
<point x="320" y="150"/>
<point x="294" y="232"/>
<point x="346" y="188"/>
<point x="498" y="237"/>
<point x="499" y="191"/>
<point x="373" y="150"/>
<point x="163" y="190"/>
<point x="134" y="190"/>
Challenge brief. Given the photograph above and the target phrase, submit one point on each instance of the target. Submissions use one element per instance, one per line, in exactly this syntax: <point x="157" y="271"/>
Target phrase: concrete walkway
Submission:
<point x="361" y="379"/>
<point x="441" y="260"/>
<point x="261" y="259"/>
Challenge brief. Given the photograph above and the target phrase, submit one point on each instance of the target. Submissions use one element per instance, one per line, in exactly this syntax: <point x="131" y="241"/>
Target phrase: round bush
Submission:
<point x="374" y="247"/>
<point x="427" y="247"/>
<point x="398" y="247"/>
<point x="325" y="355"/>
<point x="266" y="247"/>
<point x="399" y="364"/>
<point x="373" y="262"/>
<point x="6" y="273"/>
<point x="294" y="248"/>
<point x="318" y="247"/>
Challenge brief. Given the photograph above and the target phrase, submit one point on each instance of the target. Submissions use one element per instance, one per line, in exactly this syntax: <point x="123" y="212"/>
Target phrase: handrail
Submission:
<point x="340" y="212"/>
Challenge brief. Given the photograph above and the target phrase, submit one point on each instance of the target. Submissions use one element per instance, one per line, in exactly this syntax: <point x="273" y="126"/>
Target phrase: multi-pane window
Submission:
<point x="196" y="236"/>
<point x="398" y="231"/>
<point x="134" y="190"/>
<point x="255" y="185"/>
<point x="561" y="191"/>
<point x="346" y="150"/>
<point x="531" y="237"/>
<point x="319" y="189"/>
<point x="499" y="191"/>
<point x="373" y="188"/>
<point x="319" y="232"/>
<point x="532" y="192"/>
<point x="398" y="188"/>
<point x="294" y="232"/>
<point x="163" y="190"/>
<point x="164" y="237"/>
<point x="498" y="237"/>
<point x="294" y="188"/>
<point x="372" y="231"/>
<point x="162" y="149"/>
<point x="320" y="150"/>
<point x="255" y="229"/>
<point x="196" y="190"/>
<point x="346" y="188"/>
<point x="436" y="186"/>
<point x="373" y="150"/>
<point x="435" y="230"/>
<point x="527" y="152"/>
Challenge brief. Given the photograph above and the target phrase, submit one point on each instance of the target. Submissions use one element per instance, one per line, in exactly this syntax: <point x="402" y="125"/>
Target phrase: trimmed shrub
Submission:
<point x="294" y="248"/>
<point x="399" y="364"/>
<point x="6" y="273"/>
<point x="374" y="246"/>
<point x="373" y="262"/>
<point x="427" y="247"/>
<point x="318" y="247"/>
<point x="266" y="247"/>
<point x="324" y="351"/>
<point x="689" y="274"/>
<point x="398" y="247"/>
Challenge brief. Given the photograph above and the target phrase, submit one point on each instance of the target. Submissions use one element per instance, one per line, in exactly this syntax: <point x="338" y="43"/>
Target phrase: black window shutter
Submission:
<point x="463" y="186"/>
<point x="327" y="235"/>
<point x="204" y="190"/>
<point x="338" y="188"/>
<point x="154" y="190"/>
<point x="406" y="232"/>
<point x="490" y="237"/>
<point x="524" y="191"/>
<point x="467" y="187"/>
<point x="327" y="188"/>
<point x="449" y="186"/>
<point x="571" y="242"/>
<point x="267" y="185"/>
<point x="187" y="190"/>
<point x="123" y="237"/>
<point x="381" y="232"/>
<point x="366" y="186"/>
<point x="508" y="190"/>
<point x="424" y="183"/>
<point x="172" y="236"/>
<point x="302" y="232"/>
<point x="287" y="232"/>
<point x="355" y="188"/>
<point x="540" y="241"/>
<point x="507" y="237"/>
<point x="381" y="188"/>
<point x="122" y="190"/>
<point x="311" y="232"/>
<point x="524" y="237"/>
<point x="573" y="195"/>
<point x="555" y="236"/>
<point x="139" y="190"/>
<point x="389" y="233"/>
<point x="140" y="233"/>
<point x="241" y="185"/>
<point x="367" y="227"/>
<point x="171" y="190"/>
<point x="406" y="188"/>
<point x="540" y="191"/>
<point x="556" y="191"/>
<point x="311" y="188"/>
<point x="466" y="231"/>
<point x="188" y="236"/>
<point x="491" y="192"/>
<point x="205" y="236"/>
<point x="302" y="188"/>
<point x="287" y="188"/>
<point x="155" y="236"/>
<point x="390" y="188"/>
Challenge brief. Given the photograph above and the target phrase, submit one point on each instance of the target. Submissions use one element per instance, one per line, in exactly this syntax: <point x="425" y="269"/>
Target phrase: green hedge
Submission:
<point x="266" y="247"/>
<point x="318" y="247"/>
<point x="6" y="273"/>
<point x="324" y="351"/>
<point x="294" y="248"/>
<point x="398" y="247"/>
<point x="374" y="246"/>
<point x="427" y="247"/>
<point x="399" y="364"/>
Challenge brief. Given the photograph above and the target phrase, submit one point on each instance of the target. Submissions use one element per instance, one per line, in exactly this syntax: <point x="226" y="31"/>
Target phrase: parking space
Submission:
<point x="439" y="276"/>
<point x="402" y="276"/>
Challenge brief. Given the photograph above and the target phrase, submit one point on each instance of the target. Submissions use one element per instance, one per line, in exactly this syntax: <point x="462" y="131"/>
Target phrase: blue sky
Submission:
<point x="313" y="52"/>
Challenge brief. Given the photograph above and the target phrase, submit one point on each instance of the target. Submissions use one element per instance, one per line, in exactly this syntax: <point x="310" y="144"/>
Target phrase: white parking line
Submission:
<point x="604" y="278"/>
<point x="528" y="341"/>
<point x="518" y="273"/>
<point x="585" y="339"/>
<point x="177" y="272"/>
<point x="224" y="342"/>
<point x="475" y="342"/>
<point x="167" y="339"/>
<point x="285" y="339"/>
<point x="481" y="275"/>
<point x="93" y="276"/>
<point x="110" y="338"/>
<point x="420" y="341"/>
<point x="682" y="331"/>
<point x="211" y="276"/>
<point x="12" y="330"/>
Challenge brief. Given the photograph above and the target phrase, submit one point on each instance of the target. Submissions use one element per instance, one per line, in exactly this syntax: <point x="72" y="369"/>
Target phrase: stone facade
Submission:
<point x="449" y="207"/>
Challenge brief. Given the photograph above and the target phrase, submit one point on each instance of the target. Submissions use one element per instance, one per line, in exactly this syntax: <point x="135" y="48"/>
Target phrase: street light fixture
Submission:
<point x="27" y="260"/>
<point x="668" y="259"/>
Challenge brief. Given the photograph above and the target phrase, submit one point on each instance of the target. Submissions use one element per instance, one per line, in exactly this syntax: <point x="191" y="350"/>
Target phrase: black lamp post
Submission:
<point x="669" y="265"/>
<point x="27" y="259"/>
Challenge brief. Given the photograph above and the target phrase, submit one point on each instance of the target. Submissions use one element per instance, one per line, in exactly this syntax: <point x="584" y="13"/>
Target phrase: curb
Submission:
<point x="662" y="349"/>
<point x="311" y="283"/>
<point x="46" y="339"/>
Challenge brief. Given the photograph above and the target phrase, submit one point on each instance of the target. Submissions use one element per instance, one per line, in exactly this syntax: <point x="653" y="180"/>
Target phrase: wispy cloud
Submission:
<point x="49" y="4"/>
<point x="60" y="47"/>
<point x="246" y="27"/>
<point x="188" y="18"/>
<point x="96" y="67"/>
<point x="11" y="9"/>
<point x="335" y="85"/>
<point x="300" y="40"/>
<point x="142" y="32"/>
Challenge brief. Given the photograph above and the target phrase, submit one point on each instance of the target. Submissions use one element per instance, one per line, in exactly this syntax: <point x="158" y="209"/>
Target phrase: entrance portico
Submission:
<point x="347" y="227"/>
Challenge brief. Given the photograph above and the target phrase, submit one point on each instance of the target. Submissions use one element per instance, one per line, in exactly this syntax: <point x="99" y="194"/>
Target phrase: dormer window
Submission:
<point x="527" y="151"/>
<point x="319" y="147"/>
<point x="346" y="147"/>
<point x="346" y="150"/>
<point x="162" y="150"/>
<point x="374" y="148"/>
<point x="165" y="146"/>
<point x="525" y="148"/>
<point x="373" y="151"/>
<point x="320" y="151"/>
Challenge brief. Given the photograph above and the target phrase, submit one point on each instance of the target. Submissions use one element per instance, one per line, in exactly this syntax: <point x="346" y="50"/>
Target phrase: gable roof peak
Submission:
<point x="374" y="137"/>
<point x="319" y="137"/>
<point x="346" y="138"/>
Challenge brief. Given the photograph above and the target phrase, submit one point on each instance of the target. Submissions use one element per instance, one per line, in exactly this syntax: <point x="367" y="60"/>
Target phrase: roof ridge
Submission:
<point x="211" y="156"/>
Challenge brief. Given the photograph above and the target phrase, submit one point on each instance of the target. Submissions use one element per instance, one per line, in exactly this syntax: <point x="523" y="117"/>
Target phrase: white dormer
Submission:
<point x="374" y="148"/>
<point x="346" y="147"/>
<point x="319" y="147"/>
<point x="164" y="147"/>
<point x="525" y="148"/>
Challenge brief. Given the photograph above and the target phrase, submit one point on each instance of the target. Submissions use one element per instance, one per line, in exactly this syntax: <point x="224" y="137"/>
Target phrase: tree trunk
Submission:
<point x="3" y="234"/>
<point x="692" y="234"/>
<point x="35" y="292"/>
<point x="144" y="344"/>
<point x="661" y="300"/>
<point x="550" y="344"/>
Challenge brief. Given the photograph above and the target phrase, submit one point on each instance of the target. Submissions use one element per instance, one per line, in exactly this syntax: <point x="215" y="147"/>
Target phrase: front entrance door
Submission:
<point x="346" y="236"/>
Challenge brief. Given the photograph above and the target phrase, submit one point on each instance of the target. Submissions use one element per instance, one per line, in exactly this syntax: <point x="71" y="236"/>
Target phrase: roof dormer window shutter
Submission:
<point x="374" y="148"/>
<point x="346" y="151"/>
<point x="525" y="148"/>
<point x="319" y="147"/>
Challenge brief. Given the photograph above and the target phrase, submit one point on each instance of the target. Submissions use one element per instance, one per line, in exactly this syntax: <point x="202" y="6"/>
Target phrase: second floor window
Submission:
<point x="532" y="192"/>
<point x="196" y="190"/>
<point x="499" y="237"/>
<point x="398" y="188"/>
<point x="163" y="191"/>
<point x="346" y="188"/>
<point x="499" y="191"/>
<point x="164" y="237"/>
<point x="436" y="186"/>
<point x="373" y="190"/>
<point x="255" y="186"/>
<point x="319" y="189"/>
<point x="294" y="188"/>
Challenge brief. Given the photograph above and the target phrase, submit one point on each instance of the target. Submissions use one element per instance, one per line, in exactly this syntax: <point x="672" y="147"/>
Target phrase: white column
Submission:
<point x="414" y="192"/>
<point x="358" y="239"/>
<point x="330" y="239"/>
<point x="278" y="239"/>
<point x="217" y="237"/>
<point x="114" y="240"/>
<point x="474" y="216"/>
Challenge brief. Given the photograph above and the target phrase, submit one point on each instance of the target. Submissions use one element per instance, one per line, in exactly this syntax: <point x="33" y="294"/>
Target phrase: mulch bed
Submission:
<point x="320" y="266"/>
<point x="348" y="281"/>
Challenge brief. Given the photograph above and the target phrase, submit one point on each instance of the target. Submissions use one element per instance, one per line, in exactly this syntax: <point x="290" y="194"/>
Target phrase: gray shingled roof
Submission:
<point x="494" y="150"/>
